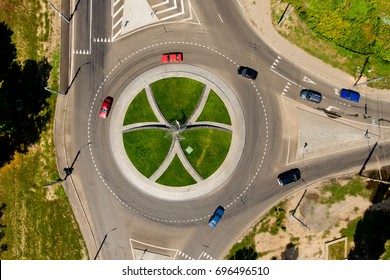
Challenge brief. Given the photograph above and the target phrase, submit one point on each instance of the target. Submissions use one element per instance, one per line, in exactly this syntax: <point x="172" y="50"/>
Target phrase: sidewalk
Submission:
<point x="260" y="14"/>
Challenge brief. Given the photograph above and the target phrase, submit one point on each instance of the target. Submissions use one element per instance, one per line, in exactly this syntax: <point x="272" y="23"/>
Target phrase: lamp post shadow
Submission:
<point x="104" y="240"/>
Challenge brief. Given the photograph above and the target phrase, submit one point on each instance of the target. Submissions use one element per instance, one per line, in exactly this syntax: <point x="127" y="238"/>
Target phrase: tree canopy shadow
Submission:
<point x="246" y="253"/>
<point x="23" y="98"/>
<point x="373" y="230"/>
<point x="290" y="253"/>
<point x="371" y="233"/>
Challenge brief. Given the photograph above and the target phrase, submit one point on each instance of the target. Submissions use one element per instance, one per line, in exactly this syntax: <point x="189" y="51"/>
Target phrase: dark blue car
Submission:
<point x="289" y="176"/>
<point x="247" y="72"/>
<point x="350" y="95"/>
<point x="217" y="215"/>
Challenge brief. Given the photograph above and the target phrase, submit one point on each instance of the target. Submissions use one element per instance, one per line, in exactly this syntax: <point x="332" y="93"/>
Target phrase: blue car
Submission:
<point x="217" y="215"/>
<point x="350" y="95"/>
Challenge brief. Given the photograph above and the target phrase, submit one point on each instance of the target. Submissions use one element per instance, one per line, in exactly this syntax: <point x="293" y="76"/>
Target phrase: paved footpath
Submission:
<point x="260" y="14"/>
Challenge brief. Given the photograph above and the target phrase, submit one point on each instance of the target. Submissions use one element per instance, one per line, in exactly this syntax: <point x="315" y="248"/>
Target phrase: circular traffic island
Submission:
<point x="175" y="134"/>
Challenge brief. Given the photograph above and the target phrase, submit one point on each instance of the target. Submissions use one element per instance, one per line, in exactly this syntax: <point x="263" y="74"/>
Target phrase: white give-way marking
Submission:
<point x="306" y="79"/>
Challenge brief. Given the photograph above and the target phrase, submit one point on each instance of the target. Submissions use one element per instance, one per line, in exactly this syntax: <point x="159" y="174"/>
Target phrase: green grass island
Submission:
<point x="204" y="141"/>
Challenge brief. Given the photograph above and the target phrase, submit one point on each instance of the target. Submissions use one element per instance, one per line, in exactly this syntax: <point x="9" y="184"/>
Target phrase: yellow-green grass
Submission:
<point x="39" y="223"/>
<point x="342" y="34"/>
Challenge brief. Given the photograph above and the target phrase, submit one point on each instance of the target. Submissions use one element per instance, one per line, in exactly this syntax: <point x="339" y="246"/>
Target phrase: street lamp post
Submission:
<point x="58" y="12"/>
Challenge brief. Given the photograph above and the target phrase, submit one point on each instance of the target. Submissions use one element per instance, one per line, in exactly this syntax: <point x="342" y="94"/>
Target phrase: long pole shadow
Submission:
<point x="69" y="170"/>
<point x="368" y="158"/>
<point x="74" y="78"/>
<point x="74" y="11"/>
<point x="101" y="244"/>
<point x="71" y="83"/>
<point x="67" y="19"/>
<point x="296" y="208"/>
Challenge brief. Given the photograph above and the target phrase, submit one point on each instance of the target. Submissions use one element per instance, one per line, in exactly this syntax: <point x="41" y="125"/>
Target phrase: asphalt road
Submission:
<point x="107" y="205"/>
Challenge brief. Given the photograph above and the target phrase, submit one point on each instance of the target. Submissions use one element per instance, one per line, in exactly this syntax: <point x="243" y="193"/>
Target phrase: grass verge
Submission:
<point x="36" y="222"/>
<point x="39" y="223"/>
<point x="348" y="25"/>
<point x="336" y="251"/>
<point x="30" y="24"/>
<point x="338" y="192"/>
<point x="244" y="250"/>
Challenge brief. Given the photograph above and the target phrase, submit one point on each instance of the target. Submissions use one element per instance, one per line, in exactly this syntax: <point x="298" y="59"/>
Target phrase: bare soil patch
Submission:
<point x="320" y="223"/>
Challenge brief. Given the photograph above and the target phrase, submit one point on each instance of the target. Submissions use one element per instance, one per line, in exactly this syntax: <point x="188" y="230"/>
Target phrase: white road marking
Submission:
<point x="283" y="77"/>
<point x="266" y="132"/>
<point x="220" y="18"/>
<point x="160" y="4"/>
<point x="118" y="11"/>
<point x="306" y="79"/>
<point x="90" y="27"/>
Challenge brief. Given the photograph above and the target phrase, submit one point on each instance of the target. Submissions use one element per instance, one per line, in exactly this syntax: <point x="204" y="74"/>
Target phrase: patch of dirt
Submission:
<point x="50" y="193"/>
<point x="55" y="27"/>
<point x="314" y="225"/>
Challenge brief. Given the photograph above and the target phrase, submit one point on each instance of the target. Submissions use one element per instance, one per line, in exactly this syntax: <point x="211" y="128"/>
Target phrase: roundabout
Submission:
<point x="109" y="186"/>
<point x="134" y="187"/>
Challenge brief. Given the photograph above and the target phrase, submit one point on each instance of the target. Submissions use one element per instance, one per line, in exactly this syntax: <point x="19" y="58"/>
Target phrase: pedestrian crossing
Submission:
<point x="202" y="256"/>
<point x="86" y="52"/>
<point x="102" y="40"/>
<point x="129" y="16"/>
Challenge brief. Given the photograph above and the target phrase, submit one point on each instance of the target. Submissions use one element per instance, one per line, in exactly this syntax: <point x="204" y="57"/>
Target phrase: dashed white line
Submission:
<point x="264" y="111"/>
<point x="220" y="18"/>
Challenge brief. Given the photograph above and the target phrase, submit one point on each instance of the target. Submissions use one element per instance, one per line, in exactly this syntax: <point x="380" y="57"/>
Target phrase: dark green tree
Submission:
<point x="7" y="50"/>
<point x="22" y="96"/>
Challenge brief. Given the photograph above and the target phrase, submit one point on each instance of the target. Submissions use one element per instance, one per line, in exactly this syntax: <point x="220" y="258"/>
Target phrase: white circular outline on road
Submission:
<point x="89" y="131"/>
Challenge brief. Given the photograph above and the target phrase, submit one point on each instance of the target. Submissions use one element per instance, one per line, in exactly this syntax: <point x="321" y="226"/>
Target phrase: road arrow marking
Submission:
<point x="306" y="79"/>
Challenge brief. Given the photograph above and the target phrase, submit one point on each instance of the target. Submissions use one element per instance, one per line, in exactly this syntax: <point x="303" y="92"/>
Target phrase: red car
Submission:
<point x="105" y="109"/>
<point x="172" y="57"/>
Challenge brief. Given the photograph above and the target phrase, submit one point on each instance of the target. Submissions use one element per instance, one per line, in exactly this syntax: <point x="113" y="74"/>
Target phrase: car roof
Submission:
<point x="290" y="172"/>
<point x="217" y="215"/>
<point x="350" y="94"/>
<point x="288" y="176"/>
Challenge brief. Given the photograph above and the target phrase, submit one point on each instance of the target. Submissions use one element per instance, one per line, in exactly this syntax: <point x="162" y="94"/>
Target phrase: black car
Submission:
<point x="247" y="72"/>
<point x="289" y="176"/>
<point x="311" y="95"/>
